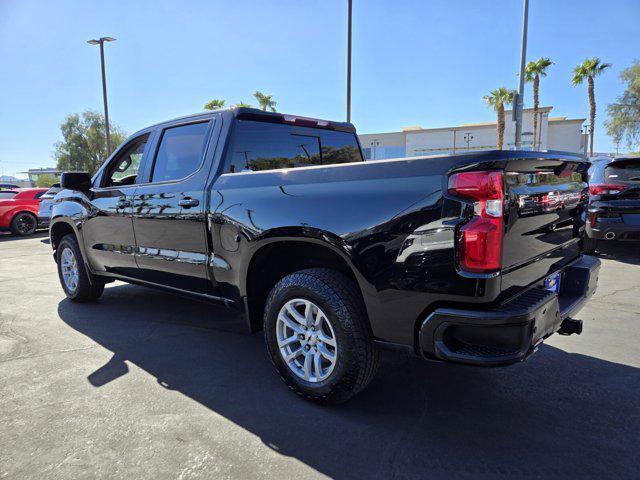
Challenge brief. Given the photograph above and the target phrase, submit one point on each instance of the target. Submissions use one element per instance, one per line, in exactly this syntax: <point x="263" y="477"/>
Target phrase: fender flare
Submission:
<point x="308" y="236"/>
<point x="79" y="238"/>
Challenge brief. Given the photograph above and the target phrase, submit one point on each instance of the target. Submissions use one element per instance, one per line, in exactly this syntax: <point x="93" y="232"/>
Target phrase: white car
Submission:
<point x="44" y="212"/>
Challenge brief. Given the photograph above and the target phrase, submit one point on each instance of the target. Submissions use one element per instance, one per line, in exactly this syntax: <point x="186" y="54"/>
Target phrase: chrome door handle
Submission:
<point x="189" y="202"/>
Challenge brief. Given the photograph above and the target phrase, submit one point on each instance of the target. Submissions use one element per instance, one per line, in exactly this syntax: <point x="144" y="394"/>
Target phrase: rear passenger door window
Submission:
<point x="180" y="152"/>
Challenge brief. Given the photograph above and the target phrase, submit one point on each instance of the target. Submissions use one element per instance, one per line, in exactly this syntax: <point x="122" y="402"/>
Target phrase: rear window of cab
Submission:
<point x="258" y="146"/>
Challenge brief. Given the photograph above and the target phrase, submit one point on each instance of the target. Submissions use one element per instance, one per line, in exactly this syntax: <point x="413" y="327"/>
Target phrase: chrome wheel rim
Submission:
<point x="69" y="267"/>
<point x="306" y="340"/>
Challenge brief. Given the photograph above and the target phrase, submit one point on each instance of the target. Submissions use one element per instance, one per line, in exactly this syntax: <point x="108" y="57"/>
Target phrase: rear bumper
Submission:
<point x="511" y="331"/>
<point x="613" y="231"/>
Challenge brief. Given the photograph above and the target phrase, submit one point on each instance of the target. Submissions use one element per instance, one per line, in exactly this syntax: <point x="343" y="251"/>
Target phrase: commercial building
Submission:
<point x="554" y="133"/>
<point x="35" y="173"/>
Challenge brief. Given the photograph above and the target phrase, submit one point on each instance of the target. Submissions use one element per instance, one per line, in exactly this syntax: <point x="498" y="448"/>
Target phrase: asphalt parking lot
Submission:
<point x="143" y="384"/>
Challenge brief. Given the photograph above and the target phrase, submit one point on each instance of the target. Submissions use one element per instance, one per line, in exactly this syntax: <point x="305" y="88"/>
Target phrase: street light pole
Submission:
<point x="523" y="61"/>
<point x="349" y="63"/>
<point x="100" y="42"/>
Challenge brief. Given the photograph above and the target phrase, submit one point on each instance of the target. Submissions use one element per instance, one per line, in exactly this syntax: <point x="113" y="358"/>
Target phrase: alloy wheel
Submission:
<point x="306" y="340"/>
<point x="69" y="266"/>
<point x="26" y="224"/>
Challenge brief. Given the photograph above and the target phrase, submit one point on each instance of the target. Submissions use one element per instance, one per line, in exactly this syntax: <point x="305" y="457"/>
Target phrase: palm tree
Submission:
<point x="589" y="69"/>
<point x="242" y="104"/>
<point x="214" y="104"/>
<point x="265" y="101"/>
<point x="496" y="99"/>
<point x="534" y="71"/>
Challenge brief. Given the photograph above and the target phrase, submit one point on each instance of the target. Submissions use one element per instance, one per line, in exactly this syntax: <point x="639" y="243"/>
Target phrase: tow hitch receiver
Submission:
<point x="569" y="326"/>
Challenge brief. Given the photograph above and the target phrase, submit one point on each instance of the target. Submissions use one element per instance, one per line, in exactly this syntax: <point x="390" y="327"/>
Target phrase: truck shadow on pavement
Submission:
<point x="558" y="415"/>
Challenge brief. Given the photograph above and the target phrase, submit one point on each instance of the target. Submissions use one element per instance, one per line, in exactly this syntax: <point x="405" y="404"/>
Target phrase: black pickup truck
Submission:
<point x="459" y="258"/>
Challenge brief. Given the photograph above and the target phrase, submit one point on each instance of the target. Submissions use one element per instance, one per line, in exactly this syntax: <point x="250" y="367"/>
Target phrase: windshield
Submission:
<point x="625" y="170"/>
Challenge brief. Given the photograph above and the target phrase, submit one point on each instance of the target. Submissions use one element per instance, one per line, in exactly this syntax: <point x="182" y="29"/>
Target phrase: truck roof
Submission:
<point x="260" y="115"/>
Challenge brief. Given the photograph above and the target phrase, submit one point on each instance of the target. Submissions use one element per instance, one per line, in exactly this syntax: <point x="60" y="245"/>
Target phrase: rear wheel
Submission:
<point x="24" y="224"/>
<point x="589" y="245"/>
<point x="318" y="336"/>
<point x="77" y="283"/>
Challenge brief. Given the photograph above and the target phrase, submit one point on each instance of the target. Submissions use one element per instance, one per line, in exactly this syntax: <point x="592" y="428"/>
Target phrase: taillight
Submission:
<point x="480" y="240"/>
<point x="606" y="189"/>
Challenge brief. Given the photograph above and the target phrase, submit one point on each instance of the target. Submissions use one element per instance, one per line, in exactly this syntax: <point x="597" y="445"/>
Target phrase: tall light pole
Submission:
<point x="523" y="61"/>
<point x="349" y="63"/>
<point x="100" y="42"/>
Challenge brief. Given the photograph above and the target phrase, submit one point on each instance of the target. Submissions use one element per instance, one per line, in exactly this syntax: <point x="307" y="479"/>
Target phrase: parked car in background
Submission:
<point x="278" y="218"/>
<point x="614" y="201"/>
<point x="46" y="201"/>
<point x="8" y="186"/>
<point x="19" y="210"/>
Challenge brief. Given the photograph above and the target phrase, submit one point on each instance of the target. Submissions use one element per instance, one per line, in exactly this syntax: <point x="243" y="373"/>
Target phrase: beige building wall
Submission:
<point x="552" y="134"/>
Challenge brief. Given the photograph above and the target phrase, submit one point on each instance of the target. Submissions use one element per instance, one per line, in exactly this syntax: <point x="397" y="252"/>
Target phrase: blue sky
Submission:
<point x="414" y="62"/>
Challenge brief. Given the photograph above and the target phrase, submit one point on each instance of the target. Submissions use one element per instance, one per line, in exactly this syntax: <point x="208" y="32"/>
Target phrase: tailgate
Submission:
<point x="546" y="203"/>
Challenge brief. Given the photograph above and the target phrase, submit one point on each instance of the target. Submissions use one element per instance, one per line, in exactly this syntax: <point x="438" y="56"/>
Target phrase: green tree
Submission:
<point x="534" y="71"/>
<point x="215" y="104"/>
<point x="46" y="181"/>
<point x="496" y="100"/>
<point x="624" y="115"/>
<point x="83" y="145"/>
<point x="265" y="101"/>
<point x="241" y="103"/>
<point x="589" y="69"/>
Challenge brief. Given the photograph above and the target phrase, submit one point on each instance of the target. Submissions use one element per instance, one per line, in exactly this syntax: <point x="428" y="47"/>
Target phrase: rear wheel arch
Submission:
<point x="279" y="258"/>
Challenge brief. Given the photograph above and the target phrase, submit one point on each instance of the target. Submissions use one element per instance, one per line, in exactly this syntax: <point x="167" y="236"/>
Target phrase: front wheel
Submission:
<point x="78" y="284"/>
<point x="24" y="224"/>
<point x="317" y="335"/>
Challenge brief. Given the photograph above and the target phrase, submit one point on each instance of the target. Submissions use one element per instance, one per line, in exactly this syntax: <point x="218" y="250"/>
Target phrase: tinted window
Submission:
<point x="628" y="170"/>
<point x="5" y="195"/>
<point x="180" y="152"/>
<point x="38" y="195"/>
<point x="256" y="146"/>
<point x="124" y="169"/>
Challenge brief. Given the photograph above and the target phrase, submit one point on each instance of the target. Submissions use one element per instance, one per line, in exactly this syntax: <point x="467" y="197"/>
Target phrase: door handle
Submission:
<point x="189" y="202"/>
<point x="123" y="204"/>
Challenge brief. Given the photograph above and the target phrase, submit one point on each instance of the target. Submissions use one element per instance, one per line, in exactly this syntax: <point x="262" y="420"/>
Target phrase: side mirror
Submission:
<point x="75" y="181"/>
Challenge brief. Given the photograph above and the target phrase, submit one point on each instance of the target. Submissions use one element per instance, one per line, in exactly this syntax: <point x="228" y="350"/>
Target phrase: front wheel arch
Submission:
<point x="58" y="230"/>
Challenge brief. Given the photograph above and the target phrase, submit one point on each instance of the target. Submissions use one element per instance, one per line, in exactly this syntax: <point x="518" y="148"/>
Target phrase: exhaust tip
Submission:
<point x="609" y="235"/>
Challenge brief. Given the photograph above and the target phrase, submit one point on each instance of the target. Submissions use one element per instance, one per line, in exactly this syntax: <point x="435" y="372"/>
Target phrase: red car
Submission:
<point x="19" y="210"/>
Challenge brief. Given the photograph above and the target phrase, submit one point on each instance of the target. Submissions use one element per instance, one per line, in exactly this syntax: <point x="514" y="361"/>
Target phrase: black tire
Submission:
<point x="89" y="287"/>
<point x="339" y="299"/>
<point x="589" y="245"/>
<point x="24" y="224"/>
